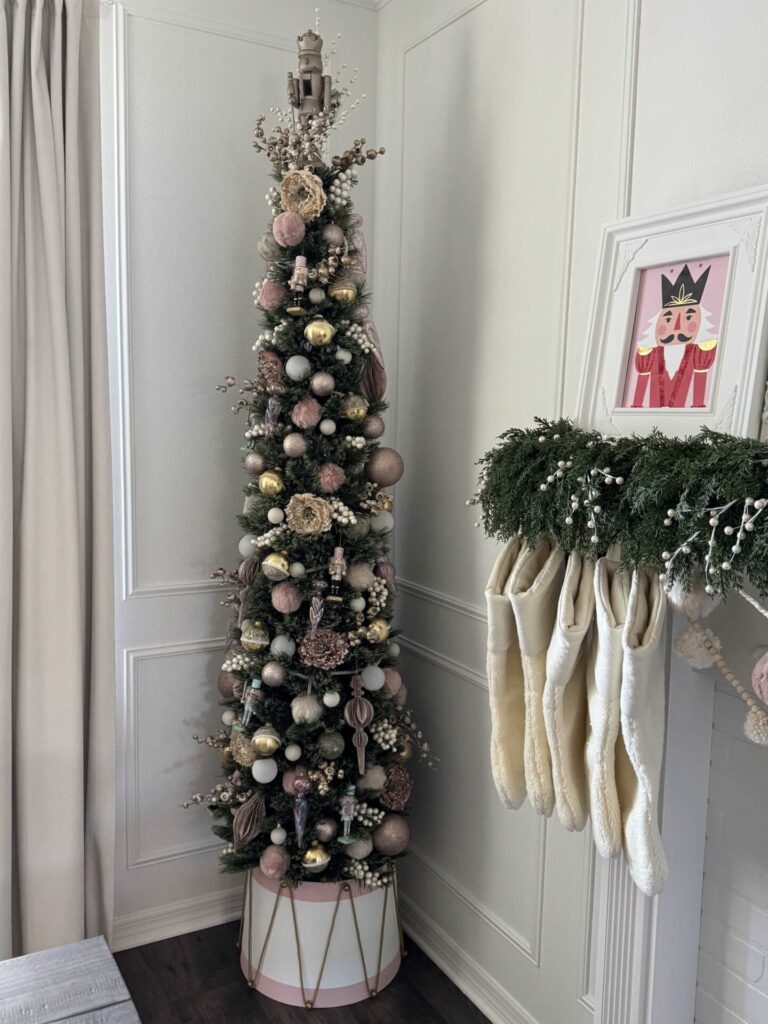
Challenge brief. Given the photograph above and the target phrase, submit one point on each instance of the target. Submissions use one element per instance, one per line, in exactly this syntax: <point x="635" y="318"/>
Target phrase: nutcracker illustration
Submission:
<point x="682" y="322"/>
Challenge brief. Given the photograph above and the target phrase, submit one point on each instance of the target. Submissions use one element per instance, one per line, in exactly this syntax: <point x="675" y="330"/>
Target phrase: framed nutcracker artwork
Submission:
<point x="677" y="337"/>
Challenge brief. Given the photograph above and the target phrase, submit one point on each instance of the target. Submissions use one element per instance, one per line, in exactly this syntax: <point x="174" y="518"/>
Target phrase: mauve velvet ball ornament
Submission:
<point x="333" y="235"/>
<point x="359" y="576"/>
<point x="306" y="413"/>
<point x="290" y="777"/>
<point x="760" y="678"/>
<point x="286" y="597"/>
<point x="288" y="229"/>
<point x="230" y="685"/>
<point x="330" y="477"/>
<point x="392" y="681"/>
<point x="254" y="462"/>
<point x="274" y="861"/>
<point x="249" y="570"/>
<point x="392" y="835"/>
<point x="326" y="829"/>
<point x="274" y="674"/>
<point x="294" y="445"/>
<point x="372" y="427"/>
<point x="272" y="295"/>
<point x="322" y="383"/>
<point x="385" y="467"/>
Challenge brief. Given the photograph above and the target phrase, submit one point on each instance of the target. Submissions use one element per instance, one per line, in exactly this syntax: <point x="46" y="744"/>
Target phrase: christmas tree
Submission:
<point x="315" y="734"/>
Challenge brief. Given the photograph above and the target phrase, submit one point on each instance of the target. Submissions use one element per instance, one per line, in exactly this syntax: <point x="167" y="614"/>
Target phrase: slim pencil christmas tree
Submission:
<point x="315" y="735"/>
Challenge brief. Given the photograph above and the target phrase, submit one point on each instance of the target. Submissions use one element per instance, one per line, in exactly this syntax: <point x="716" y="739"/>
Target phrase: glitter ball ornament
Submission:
<point x="230" y="685"/>
<point x="298" y="368"/>
<point x="273" y="674"/>
<point x="306" y="413"/>
<point x="326" y="829"/>
<point x="359" y="576"/>
<point x="254" y="635"/>
<point x="385" y="467"/>
<point x="316" y="859"/>
<point x="330" y="477"/>
<point x="354" y="408"/>
<point x="286" y="597"/>
<point x="254" y="463"/>
<point x="330" y="744"/>
<point x="360" y="848"/>
<point x="294" y="445"/>
<point x="275" y="566"/>
<point x="288" y="229"/>
<point x="372" y="427"/>
<point x="266" y="740"/>
<point x="392" y="835"/>
<point x="333" y="235"/>
<point x="272" y="295"/>
<point x="275" y="861"/>
<point x="319" y="332"/>
<point x="306" y="709"/>
<point x="271" y="483"/>
<point x="322" y="384"/>
<point x="264" y="770"/>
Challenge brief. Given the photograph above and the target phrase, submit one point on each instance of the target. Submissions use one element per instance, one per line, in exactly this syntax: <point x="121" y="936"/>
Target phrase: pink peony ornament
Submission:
<point x="306" y="413"/>
<point x="286" y="597"/>
<point x="272" y="296"/>
<point x="274" y="861"/>
<point x="760" y="678"/>
<point x="331" y="477"/>
<point x="393" y="681"/>
<point x="288" y="229"/>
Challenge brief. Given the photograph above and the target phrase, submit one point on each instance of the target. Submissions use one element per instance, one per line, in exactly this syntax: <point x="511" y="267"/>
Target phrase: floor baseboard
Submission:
<point x="176" y="918"/>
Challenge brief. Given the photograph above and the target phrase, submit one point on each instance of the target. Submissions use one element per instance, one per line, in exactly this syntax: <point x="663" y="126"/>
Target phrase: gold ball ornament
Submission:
<point x="276" y="566"/>
<point x="271" y="483"/>
<point x="354" y="407"/>
<point x="316" y="859"/>
<point x="378" y="630"/>
<point x="266" y="740"/>
<point x="343" y="291"/>
<point x="254" y="635"/>
<point x="319" y="332"/>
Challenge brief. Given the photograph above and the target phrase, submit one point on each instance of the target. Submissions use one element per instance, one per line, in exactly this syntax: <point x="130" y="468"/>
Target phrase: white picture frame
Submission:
<point x="727" y="233"/>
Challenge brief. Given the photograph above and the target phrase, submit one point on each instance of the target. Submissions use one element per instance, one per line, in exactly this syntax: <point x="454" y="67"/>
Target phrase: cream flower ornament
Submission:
<point x="302" y="192"/>
<point x="308" y="514"/>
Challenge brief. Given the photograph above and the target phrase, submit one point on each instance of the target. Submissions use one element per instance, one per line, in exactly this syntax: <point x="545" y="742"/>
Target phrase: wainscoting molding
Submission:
<point x="453" y="604"/>
<point x="135" y="857"/>
<point x="456" y="668"/>
<point x="178" y="918"/>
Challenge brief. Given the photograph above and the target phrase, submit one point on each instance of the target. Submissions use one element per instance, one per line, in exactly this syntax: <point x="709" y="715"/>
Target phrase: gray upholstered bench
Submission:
<point x="76" y="984"/>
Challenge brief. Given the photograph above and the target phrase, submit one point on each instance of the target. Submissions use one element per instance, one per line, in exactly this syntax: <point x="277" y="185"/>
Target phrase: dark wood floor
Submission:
<point x="196" y="979"/>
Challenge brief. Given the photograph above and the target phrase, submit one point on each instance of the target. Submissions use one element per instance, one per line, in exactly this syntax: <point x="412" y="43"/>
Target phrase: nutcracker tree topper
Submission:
<point x="310" y="91"/>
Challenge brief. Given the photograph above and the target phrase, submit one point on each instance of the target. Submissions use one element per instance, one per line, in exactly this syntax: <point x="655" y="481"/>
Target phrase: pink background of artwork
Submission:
<point x="649" y="302"/>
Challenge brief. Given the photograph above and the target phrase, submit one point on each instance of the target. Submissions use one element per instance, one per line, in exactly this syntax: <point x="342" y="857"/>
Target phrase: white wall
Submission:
<point x="183" y="85"/>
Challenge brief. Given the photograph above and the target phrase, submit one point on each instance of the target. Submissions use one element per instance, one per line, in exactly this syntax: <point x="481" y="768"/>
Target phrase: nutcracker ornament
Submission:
<point x="309" y="707"/>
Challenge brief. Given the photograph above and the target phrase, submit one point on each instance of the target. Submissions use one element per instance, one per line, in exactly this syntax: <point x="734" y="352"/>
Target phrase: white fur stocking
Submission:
<point x="505" y="683"/>
<point x="565" y="692"/>
<point x="604" y="668"/>
<point x="638" y="773"/>
<point x="533" y="589"/>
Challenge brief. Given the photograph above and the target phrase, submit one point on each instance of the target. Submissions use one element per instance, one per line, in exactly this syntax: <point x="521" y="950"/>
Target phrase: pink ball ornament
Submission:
<point x="274" y="674"/>
<point x="331" y="477"/>
<point x="322" y="383"/>
<point x="392" y="835"/>
<point x="333" y="235"/>
<point x="372" y="427"/>
<point x="230" y="685"/>
<point x="760" y="678"/>
<point x="289" y="778"/>
<point x="306" y="413"/>
<point x="274" y="862"/>
<point x="286" y="597"/>
<point x="294" y="445"/>
<point x="288" y="229"/>
<point x="385" y="467"/>
<point x="393" y="681"/>
<point x="272" y="296"/>
<point x="255" y="463"/>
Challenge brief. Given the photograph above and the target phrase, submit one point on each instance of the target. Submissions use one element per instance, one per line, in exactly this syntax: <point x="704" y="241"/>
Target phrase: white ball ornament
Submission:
<point x="246" y="546"/>
<point x="372" y="677"/>
<point x="275" y="516"/>
<point x="360" y="848"/>
<point x="282" y="645"/>
<point x="292" y="752"/>
<point x="297" y="570"/>
<point x="383" y="522"/>
<point x="343" y="355"/>
<point x="229" y="717"/>
<point x="278" y="835"/>
<point x="331" y="699"/>
<point x="357" y="604"/>
<point x="264" y="770"/>
<point x="316" y="295"/>
<point x="394" y="649"/>
<point x="298" y="367"/>
<point x="327" y="427"/>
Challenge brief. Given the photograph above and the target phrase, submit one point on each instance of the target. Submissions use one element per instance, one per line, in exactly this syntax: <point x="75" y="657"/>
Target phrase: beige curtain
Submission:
<point x="56" y="675"/>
